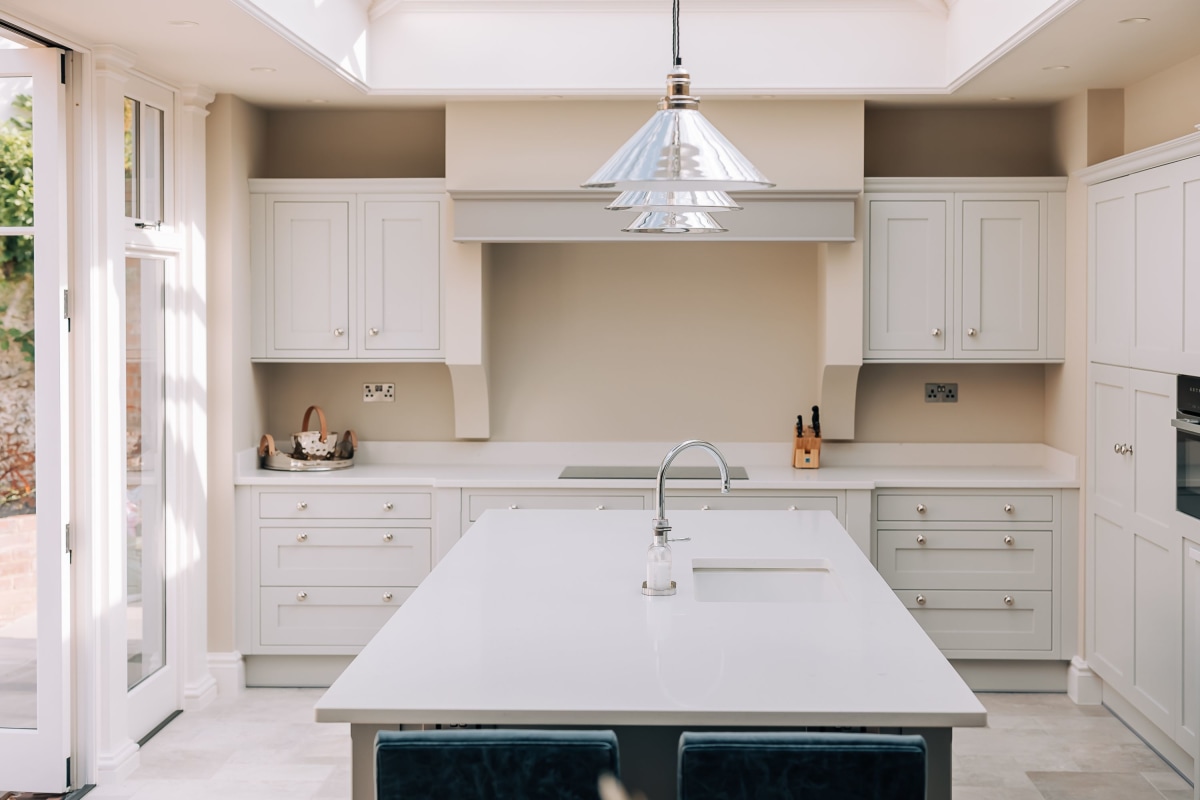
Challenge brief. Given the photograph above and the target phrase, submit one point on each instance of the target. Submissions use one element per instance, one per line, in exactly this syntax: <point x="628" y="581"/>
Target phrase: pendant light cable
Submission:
<point x="675" y="32"/>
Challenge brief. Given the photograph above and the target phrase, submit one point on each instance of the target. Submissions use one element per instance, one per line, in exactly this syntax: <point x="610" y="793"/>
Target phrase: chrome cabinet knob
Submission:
<point x="1008" y="540"/>
<point x="704" y="508"/>
<point x="920" y="538"/>
<point x="937" y="331"/>
<point x="792" y="508"/>
<point x="513" y="507"/>
<point x="971" y="331"/>
<point x="387" y="597"/>
<point x="301" y="506"/>
<point x="920" y="599"/>
<point x="301" y="537"/>
<point x="388" y="506"/>
<point x="920" y="508"/>
<point x="301" y="596"/>
<point x="387" y="537"/>
<point x="600" y="507"/>
<point x="339" y="331"/>
<point x="1129" y="449"/>
<point x="1117" y="449"/>
<point x="373" y="331"/>
<point x="1008" y="599"/>
<point x="1008" y="509"/>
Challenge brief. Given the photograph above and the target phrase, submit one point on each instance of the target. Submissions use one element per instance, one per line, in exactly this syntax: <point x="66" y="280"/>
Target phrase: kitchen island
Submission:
<point x="536" y="618"/>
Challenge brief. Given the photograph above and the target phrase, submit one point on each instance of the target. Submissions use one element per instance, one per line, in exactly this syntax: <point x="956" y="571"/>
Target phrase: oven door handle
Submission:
<point x="1187" y="426"/>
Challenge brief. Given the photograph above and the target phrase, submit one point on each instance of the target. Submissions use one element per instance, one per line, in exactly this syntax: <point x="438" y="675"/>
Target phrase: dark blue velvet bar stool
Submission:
<point x="499" y="764"/>
<point x="801" y="766"/>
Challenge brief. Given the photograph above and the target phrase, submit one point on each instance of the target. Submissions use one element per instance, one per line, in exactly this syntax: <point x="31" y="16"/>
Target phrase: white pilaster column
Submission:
<point x="116" y="753"/>
<point x="199" y="687"/>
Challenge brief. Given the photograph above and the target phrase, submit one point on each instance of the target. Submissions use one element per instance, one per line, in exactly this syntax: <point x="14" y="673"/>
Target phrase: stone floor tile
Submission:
<point x="995" y="793"/>
<point x="1167" y="779"/>
<point x="1131" y="758"/>
<point x="1093" y="786"/>
<point x="1176" y="794"/>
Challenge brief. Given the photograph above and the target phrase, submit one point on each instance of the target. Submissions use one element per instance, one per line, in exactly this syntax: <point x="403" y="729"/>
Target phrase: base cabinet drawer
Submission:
<point x="479" y="503"/>
<point x="919" y="507"/>
<point x="345" y="505"/>
<point x="326" y="615"/>
<point x="951" y="559"/>
<point x="742" y="502"/>
<point x="983" y="620"/>
<point x="343" y="556"/>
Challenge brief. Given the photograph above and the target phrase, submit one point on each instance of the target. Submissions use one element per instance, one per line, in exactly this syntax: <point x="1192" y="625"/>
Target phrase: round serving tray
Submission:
<point x="285" y="463"/>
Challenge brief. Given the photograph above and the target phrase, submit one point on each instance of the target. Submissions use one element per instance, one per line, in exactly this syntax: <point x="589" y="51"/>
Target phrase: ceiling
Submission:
<point x="423" y="53"/>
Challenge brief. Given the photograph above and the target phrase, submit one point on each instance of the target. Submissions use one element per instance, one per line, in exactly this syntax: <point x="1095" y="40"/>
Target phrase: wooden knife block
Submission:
<point x="806" y="454"/>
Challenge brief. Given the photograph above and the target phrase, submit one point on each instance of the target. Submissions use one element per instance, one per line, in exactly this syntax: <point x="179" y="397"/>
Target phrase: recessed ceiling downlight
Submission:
<point x="262" y="69"/>
<point x="1133" y="21"/>
<point x="1056" y="67"/>
<point x="183" y="23"/>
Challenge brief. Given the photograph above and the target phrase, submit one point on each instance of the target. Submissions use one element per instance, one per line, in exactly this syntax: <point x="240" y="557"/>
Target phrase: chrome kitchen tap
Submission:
<point x="658" y="557"/>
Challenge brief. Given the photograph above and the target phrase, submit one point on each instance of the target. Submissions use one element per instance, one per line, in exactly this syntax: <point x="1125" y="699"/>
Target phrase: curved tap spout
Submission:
<point x="660" y="522"/>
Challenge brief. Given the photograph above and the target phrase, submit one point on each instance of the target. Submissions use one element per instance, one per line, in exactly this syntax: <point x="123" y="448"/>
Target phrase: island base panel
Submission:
<point x="649" y="756"/>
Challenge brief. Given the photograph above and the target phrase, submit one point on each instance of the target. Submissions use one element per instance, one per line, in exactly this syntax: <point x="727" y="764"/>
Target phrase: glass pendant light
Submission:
<point x="639" y="200"/>
<point x="678" y="150"/>
<point x="674" y="222"/>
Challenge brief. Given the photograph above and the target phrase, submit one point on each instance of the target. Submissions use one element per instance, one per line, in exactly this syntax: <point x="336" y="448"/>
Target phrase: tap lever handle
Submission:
<point x="680" y="539"/>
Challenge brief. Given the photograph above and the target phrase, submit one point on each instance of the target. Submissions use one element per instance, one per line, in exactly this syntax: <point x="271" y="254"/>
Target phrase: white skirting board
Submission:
<point x="116" y="766"/>
<point x="1084" y="687"/>
<point x="228" y="671"/>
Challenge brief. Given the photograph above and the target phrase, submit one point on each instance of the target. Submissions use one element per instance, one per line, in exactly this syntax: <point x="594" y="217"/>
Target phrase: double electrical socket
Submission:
<point x="379" y="392"/>
<point x="941" y="393"/>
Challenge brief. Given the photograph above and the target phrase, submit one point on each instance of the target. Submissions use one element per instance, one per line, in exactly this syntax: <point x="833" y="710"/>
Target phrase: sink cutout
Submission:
<point x="765" y="580"/>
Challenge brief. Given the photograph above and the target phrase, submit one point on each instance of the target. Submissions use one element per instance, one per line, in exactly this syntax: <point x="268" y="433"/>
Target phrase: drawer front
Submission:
<point x="741" y="502"/>
<point x="343" y="556"/>
<point x="326" y="615"/>
<point x="983" y="620"/>
<point x="345" y="505"/>
<point x="479" y="503"/>
<point x="965" y="508"/>
<point x="941" y="559"/>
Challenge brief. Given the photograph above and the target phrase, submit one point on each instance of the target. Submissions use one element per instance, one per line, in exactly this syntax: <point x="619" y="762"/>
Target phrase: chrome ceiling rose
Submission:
<point x="678" y="150"/>
<point x="639" y="200"/>
<point x="674" y="222"/>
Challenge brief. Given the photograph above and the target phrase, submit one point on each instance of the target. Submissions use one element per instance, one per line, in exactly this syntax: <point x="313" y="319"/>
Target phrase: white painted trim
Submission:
<point x="228" y="671"/>
<point x="116" y="766"/>
<point x="1029" y="184"/>
<point x="198" y="695"/>
<point x="1146" y="158"/>
<point x="1084" y="687"/>
<point x="348" y="185"/>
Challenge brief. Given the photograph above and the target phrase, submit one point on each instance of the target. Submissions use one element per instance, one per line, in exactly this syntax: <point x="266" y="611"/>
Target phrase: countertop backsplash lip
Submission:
<point x="537" y="465"/>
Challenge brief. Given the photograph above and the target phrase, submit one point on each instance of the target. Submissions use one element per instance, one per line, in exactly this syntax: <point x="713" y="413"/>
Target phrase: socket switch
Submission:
<point x="379" y="392"/>
<point x="941" y="393"/>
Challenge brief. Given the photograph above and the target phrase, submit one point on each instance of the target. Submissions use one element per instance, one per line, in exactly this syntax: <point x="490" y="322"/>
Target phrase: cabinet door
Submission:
<point x="401" y="277"/>
<point x="1157" y="300"/>
<point x="1110" y="544"/>
<point x="1000" y="278"/>
<point x="908" y="292"/>
<point x="309" y="279"/>
<point x="1110" y="268"/>
<point x="1189" y="181"/>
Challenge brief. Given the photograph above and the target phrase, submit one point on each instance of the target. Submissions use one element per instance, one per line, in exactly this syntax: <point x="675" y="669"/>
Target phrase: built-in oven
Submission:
<point x="1187" y="445"/>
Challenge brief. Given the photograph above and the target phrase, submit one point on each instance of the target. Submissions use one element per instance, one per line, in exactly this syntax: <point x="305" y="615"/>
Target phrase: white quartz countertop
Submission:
<point x="537" y="617"/>
<point x="487" y="465"/>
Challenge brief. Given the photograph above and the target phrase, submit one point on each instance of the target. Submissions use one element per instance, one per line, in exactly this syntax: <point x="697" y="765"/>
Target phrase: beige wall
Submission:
<point x="236" y="151"/>
<point x="996" y="403"/>
<point x="556" y="146"/>
<point x="1164" y="106"/>
<point x="356" y="144"/>
<point x="949" y="142"/>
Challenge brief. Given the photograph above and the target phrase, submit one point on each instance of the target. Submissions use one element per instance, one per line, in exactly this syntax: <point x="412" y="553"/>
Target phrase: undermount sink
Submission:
<point x="765" y="580"/>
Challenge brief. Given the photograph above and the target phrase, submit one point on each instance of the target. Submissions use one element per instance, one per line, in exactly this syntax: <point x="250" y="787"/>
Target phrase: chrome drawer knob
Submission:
<point x="301" y="537"/>
<point x="971" y="331"/>
<point x="513" y="507"/>
<point x="387" y="597"/>
<point x="301" y="506"/>
<point x="920" y="508"/>
<point x="920" y="539"/>
<point x="937" y="331"/>
<point x="301" y="596"/>
<point x="600" y="507"/>
<point x="388" y="506"/>
<point x="1129" y="449"/>
<point x="792" y="508"/>
<point x="1008" y="509"/>
<point x="920" y="599"/>
<point x="1117" y="449"/>
<point x="1008" y="600"/>
<point x="339" y="331"/>
<point x="704" y="508"/>
<point x="1008" y="540"/>
<point x="373" y="331"/>
<point x="387" y="537"/>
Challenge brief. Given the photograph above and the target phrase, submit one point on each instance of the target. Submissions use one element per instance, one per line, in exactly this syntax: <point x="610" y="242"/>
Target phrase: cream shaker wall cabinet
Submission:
<point x="347" y="270"/>
<point x="969" y="270"/>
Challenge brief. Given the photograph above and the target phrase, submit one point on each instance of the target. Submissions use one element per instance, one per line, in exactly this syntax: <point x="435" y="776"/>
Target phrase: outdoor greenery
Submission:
<point x="16" y="210"/>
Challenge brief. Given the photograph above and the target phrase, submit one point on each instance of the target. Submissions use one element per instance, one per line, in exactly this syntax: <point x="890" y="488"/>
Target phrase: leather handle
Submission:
<point x="320" y="417"/>
<point x="266" y="445"/>
<point x="352" y="437"/>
